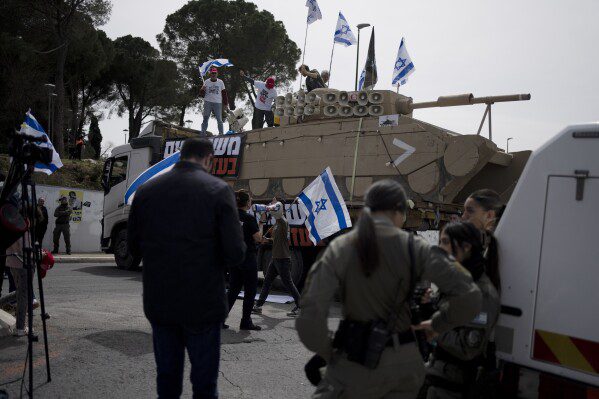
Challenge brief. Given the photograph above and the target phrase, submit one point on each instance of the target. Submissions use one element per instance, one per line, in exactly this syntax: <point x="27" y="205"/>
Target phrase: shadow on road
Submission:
<point x="110" y="271"/>
<point x="131" y="343"/>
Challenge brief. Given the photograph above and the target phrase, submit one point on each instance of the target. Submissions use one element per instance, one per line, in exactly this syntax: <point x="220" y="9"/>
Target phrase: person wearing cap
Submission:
<point x="313" y="78"/>
<point x="263" y="105"/>
<point x="63" y="217"/>
<point x="213" y="100"/>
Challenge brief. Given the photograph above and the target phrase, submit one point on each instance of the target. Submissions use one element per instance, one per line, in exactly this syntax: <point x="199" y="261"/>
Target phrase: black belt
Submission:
<point x="404" y="337"/>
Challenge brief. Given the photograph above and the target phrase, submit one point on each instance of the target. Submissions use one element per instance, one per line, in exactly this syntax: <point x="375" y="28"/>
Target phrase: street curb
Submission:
<point x="83" y="259"/>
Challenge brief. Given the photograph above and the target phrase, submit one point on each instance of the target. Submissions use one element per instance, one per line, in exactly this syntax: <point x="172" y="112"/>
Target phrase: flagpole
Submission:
<point x="331" y="63"/>
<point x="304" y="54"/>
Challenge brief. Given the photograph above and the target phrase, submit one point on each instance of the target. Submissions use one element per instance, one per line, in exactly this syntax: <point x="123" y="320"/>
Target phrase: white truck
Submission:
<point x="548" y="332"/>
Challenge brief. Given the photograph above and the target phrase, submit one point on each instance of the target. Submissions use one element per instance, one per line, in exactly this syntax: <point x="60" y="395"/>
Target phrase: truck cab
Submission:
<point x="125" y="164"/>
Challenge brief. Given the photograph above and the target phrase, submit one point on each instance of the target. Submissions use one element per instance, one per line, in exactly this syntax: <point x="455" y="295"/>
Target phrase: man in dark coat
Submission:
<point x="41" y="220"/>
<point x="184" y="225"/>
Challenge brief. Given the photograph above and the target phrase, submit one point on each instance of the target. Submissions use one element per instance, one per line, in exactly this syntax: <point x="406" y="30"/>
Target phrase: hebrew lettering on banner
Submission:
<point x="227" y="153"/>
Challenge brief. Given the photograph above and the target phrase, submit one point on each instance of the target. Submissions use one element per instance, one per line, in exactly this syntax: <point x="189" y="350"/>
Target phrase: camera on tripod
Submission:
<point x="25" y="149"/>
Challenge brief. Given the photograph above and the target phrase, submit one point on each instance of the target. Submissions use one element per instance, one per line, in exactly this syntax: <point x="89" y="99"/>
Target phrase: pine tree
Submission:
<point x="95" y="137"/>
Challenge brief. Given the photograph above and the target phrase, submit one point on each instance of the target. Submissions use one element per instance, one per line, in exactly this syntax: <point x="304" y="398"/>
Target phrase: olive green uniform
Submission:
<point x="63" y="215"/>
<point x="400" y="372"/>
<point x="465" y="343"/>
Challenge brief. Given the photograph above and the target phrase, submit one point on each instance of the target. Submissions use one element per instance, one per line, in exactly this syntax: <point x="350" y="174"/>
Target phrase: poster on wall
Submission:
<point x="75" y="198"/>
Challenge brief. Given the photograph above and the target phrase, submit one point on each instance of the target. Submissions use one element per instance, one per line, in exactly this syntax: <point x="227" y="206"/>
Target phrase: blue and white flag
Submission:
<point x="361" y="80"/>
<point x="153" y="171"/>
<point x="343" y="33"/>
<point x="220" y="62"/>
<point x="313" y="11"/>
<point x="404" y="66"/>
<point x="324" y="207"/>
<point x="32" y="127"/>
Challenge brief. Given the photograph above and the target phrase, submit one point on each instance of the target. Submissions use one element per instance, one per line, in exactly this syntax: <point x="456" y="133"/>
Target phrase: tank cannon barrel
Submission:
<point x="406" y="105"/>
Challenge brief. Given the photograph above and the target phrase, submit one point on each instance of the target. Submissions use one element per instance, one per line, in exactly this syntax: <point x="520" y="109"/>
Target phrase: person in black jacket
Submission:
<point x="184" y="225"/>
<point x="246" y="274"/>
<point x="42" y="220"/>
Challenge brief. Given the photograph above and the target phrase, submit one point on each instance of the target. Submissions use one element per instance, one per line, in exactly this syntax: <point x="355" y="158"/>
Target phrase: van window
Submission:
<point x="119" y="170"/>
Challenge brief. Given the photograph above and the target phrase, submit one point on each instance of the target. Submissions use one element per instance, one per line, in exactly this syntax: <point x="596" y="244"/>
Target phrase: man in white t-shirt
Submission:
<point x="213" y="100"/>
<point x="264" y="99"/>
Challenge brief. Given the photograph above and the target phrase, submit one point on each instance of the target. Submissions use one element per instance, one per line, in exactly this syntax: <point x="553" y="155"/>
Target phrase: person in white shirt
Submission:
<point x="264" y="99"/>
<point x="213" y="100"/>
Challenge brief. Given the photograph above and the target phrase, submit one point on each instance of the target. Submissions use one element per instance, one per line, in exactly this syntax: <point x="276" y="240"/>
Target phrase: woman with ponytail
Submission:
<point x="374" y="267"/>
<point x="246" y="274"/>
<point x="461" y="354"/>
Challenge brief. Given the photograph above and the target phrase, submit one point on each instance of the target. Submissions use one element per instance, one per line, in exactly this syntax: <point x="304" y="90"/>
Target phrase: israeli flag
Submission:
<point x="324" y="207"/>
<point x="153" y="171"/>
<point x="404" y="66"/>
<point x="220" y="62"/>
<point x="32" y="127"/>
<point x="343" y="33"/>
<point x="313" y="11"/>
<point x="362" y="79"/>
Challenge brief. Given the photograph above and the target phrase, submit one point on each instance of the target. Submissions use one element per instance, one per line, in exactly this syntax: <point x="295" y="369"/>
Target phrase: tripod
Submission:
<point x="21" y="173"/>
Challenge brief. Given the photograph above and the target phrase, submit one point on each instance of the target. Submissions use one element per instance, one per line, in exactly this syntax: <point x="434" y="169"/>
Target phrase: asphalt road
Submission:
<point x="101" y="344"/>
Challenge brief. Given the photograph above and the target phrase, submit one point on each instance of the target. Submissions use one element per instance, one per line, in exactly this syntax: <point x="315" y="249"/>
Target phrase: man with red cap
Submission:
<point x="263" y="104"/>
<point x="213" y="100"/>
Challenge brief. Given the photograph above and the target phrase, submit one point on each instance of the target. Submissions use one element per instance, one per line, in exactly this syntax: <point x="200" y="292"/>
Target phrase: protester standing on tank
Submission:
<point x="459" y="363"/>
<point x="263" y="104"/>
<point x="374" y="267"/>
<point x="63" y="216"/>
<point x="185" y="250"/>
<point x="313" y="78"/>
<point x="213" y="100"/>
<point x="246" y="274"/>
<point x="325" y="75"/>
<point x="281" y="261"/>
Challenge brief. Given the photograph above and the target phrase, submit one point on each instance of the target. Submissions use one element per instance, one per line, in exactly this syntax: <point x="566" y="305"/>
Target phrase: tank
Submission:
<point x="366" y="136"/>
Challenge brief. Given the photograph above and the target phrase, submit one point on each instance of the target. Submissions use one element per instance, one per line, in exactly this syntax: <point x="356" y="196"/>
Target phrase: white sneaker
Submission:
<point x="19" y="332"/>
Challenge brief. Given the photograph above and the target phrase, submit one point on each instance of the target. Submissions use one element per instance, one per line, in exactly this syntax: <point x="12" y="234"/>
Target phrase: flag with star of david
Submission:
<point x="343" y="33"/>
<point x="404" y="66"/>
<point x="324" y="207"/>
<point x="314" y="13"/>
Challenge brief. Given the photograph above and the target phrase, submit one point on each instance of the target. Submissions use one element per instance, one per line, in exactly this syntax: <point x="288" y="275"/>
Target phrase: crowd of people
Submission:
<point x="376" y="269"/>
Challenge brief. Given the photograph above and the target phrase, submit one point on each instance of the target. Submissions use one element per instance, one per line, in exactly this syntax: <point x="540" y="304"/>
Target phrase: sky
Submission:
<point x="547" y="48"/>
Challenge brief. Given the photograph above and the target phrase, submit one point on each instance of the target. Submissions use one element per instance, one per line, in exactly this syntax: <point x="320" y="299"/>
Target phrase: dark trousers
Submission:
<point x="203" y="349"/>
<point x="40" y="232"/>
<point x="65" y="229"/>
<point x="281" y="267"/>
<point x="246" y="276"/>
<point x="259" y="116"/>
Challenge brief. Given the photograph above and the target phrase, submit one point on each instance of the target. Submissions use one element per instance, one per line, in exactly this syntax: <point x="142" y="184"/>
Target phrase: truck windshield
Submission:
<point x="119" y="171"/>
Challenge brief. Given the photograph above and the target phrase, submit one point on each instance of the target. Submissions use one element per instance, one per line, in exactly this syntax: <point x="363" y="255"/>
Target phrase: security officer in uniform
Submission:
<point x="374" y="268"/>
<point x="459" y="367"/>
<point x="62" y="213"/>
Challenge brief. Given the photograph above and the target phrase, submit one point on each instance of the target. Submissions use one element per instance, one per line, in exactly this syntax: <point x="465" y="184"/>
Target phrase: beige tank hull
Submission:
<point x="282" y="161"/>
